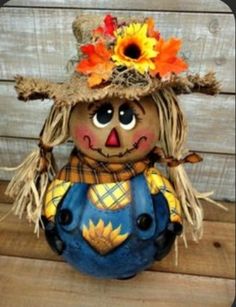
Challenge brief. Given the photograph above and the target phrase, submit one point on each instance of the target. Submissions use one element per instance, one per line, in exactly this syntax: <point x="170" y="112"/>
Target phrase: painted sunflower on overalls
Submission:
<point x="109" y="211"/>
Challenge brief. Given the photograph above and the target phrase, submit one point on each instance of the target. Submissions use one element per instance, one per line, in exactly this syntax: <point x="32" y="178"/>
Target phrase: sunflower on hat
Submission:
<point x="136" y="45"/>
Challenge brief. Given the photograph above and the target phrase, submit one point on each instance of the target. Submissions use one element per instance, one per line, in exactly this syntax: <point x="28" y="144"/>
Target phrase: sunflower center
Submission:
<point x="132" y="51"/>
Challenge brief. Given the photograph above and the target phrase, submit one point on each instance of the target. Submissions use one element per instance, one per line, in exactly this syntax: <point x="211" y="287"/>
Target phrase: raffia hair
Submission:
<point x="28" y="186"/>
<point x="173" y="133"/>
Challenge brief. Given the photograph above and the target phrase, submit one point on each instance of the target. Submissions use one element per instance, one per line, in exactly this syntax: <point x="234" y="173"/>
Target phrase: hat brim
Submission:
<point x="76" y="90"/>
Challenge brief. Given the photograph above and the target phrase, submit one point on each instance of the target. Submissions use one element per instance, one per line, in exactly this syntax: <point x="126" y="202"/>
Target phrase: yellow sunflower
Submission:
<point x="134" y="48"/>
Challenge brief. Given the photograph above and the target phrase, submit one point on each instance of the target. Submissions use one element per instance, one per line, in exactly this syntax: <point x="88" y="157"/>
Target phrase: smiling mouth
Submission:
<point x="118" y="155"/>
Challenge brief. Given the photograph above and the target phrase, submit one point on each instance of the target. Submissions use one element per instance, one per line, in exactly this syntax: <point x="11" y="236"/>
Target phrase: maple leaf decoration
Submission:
<point x="167" y="61"/>
<point x="151" y="29"/>
<point x="108" y="28"/>
<point x="97" y="65"/>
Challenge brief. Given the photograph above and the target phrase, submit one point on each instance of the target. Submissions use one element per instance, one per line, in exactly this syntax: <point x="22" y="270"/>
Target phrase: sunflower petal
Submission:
<point x="107" y="230"/>
<point x="119" y="239"/>
<point x="92" y="232"/>
<point x="115" y="233"/>
<point x="100" y="227"/>
<point x="134" y="48"/>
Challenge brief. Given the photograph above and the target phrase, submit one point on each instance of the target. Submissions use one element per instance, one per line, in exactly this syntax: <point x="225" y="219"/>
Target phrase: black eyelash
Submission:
<point x="97" y="107"/>
<point x="138" y="118"/>
<point x="91" y="115"/>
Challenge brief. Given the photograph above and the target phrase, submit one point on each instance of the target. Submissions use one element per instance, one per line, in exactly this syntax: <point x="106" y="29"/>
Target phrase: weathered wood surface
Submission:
<point x="213" y="256"/>
<point x="170" y="5"/>
<point x="38" y="42"/>
<point x="216" y="172"/>
<point x="49" y="283"/>
<point x="208" y="129"/>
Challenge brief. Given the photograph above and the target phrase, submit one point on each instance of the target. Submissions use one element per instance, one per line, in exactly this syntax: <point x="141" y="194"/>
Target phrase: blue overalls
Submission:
<point x="135" y="253"/>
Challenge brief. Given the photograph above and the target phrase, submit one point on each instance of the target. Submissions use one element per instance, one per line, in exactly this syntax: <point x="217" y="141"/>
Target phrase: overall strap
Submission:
<point x="73" y="204"/>
<point x="144" y="216"/>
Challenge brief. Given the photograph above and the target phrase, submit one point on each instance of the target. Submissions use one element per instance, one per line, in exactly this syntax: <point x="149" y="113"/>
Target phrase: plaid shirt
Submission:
<point x="84" y="169"/>
<point x="110" y="186"/>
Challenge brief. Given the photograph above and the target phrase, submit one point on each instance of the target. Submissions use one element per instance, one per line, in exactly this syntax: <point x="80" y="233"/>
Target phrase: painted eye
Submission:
<point x="127" y="117"/>
<point x="103" y="115"/>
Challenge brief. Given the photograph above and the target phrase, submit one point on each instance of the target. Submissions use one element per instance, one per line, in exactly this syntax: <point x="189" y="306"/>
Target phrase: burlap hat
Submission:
<point x="123" y="82"/>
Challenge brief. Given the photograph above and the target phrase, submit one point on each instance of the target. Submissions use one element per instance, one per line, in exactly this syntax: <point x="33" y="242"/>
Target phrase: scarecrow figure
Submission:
<point x="109" y="211"/>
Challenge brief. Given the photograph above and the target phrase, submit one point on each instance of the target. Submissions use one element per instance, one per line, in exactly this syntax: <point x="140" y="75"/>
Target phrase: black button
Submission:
<point x="65" y="217"/>
<point x="144" y="221"/>
<point x="175" y="227"/>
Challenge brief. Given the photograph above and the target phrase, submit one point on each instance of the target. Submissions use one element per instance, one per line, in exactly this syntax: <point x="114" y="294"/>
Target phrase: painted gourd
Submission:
<point x="118" y="228"/>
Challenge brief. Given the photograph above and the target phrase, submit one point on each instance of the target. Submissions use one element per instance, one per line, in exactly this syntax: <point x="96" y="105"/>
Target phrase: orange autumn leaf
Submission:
<point x="103" y="73"/>
<point x="151" y="29"/>
<point x="167" y="61"/>
<point x="107" y="28"/>
<point x="97" y="64"/>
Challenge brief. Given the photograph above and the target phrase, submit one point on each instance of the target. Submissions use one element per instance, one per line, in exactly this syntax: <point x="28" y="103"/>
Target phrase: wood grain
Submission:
<point x="38" y="42"/>
<point x="215" y="173"/>
<point x="179" y="5"/>
<point x="3" y="197"/>
<point x="49" y="283"/>
<point x="208" y="129"/>
<point x="211" y="213"/>
<point x="213" y="256"/>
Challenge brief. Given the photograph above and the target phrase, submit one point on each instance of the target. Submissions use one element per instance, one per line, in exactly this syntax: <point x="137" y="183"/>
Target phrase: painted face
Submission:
<point x="115" y="130"/>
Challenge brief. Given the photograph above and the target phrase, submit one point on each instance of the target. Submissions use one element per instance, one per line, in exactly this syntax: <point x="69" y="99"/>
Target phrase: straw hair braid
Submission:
<point x="28" y="186"/>
<point x="173" y="132"/>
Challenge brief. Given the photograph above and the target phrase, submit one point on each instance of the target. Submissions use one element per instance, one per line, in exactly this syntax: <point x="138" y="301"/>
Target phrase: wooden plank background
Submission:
<point x="39" y="41"/>
<point x="160" y="5"/>
<point x="36" y="40"/>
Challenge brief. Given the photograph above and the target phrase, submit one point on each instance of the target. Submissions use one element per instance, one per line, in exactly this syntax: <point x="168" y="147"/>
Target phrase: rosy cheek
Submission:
<point x="148" y="143"/>
<point x="79" y="134"/>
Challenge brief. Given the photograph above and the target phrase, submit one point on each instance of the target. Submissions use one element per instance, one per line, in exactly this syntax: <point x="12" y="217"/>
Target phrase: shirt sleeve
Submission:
<point x="56" y="190"/>
<point x="157" y="182"/>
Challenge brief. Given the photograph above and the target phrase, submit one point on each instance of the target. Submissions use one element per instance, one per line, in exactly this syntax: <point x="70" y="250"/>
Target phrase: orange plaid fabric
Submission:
<point x="83" y="169"/>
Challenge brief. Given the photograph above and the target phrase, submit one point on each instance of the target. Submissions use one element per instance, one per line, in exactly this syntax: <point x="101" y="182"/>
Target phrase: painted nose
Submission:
<point x="113" y="139"/>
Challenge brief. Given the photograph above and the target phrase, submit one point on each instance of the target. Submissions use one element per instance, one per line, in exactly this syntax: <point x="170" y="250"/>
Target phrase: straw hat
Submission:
<point x="125" y="59"/>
